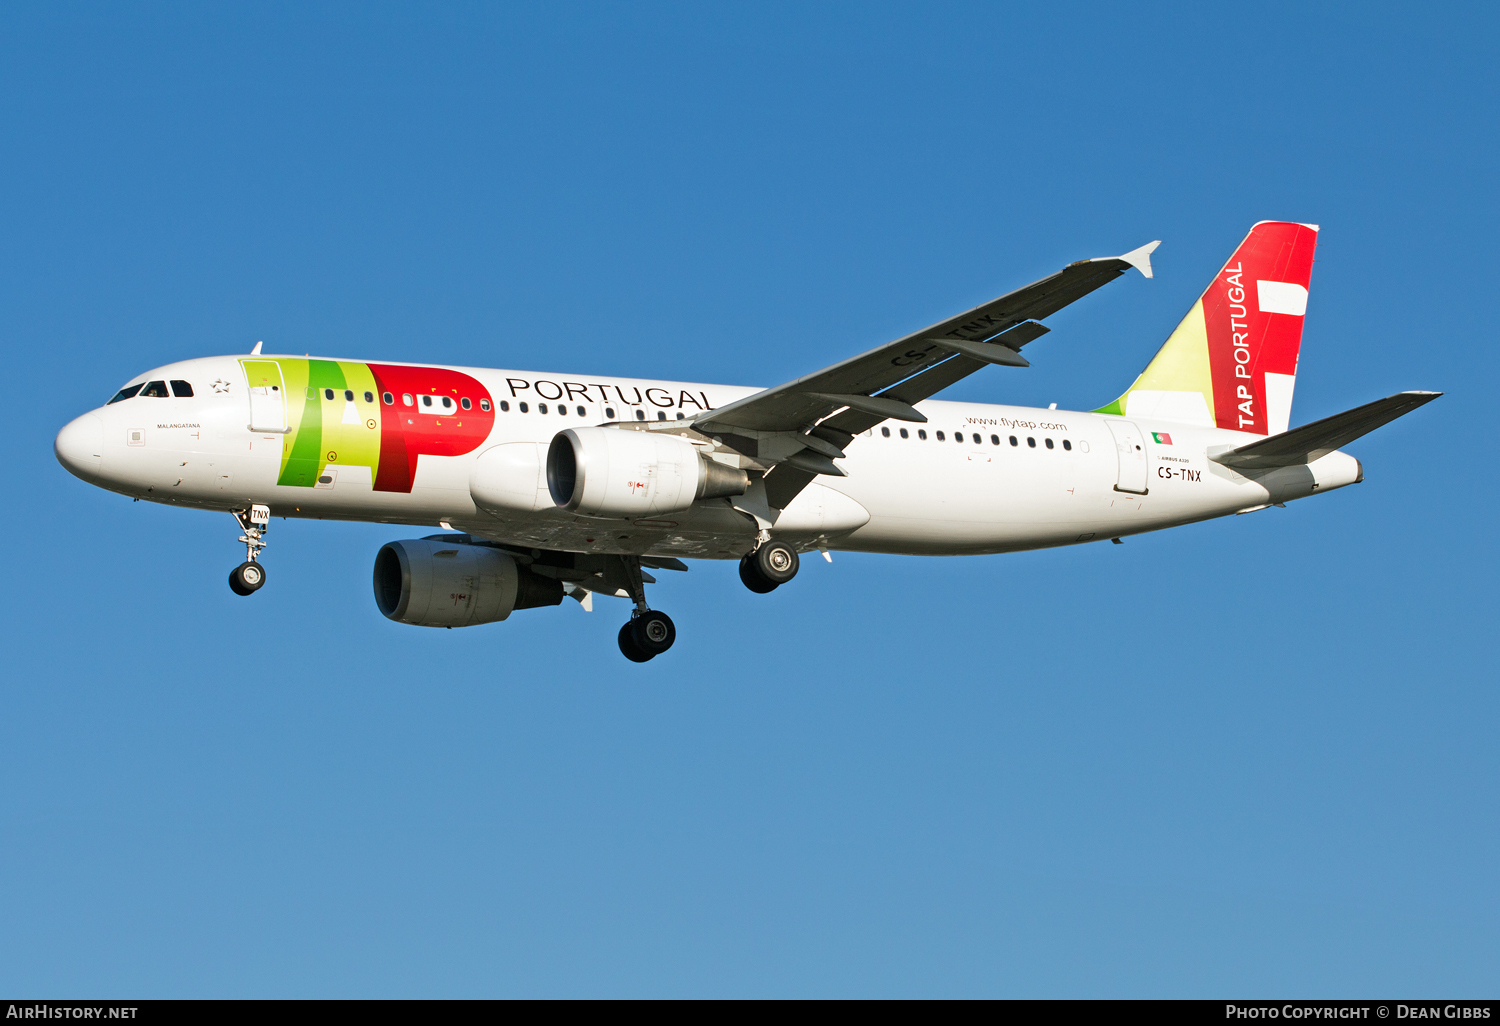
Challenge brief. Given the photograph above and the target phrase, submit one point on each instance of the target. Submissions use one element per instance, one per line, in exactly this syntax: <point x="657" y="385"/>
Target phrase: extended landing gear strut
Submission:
<point x="649" y="632"/>
<point x="247" y="578"/>
<point x="769" y="566"/>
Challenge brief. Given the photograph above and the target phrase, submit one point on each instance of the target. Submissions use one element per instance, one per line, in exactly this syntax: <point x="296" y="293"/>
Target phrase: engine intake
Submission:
<point x="615" y="472"/>
<point x="441" y="582"/>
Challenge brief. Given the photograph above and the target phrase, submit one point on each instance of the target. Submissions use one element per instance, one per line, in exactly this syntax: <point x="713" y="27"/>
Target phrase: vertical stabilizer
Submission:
<point x="1232" y="362"/>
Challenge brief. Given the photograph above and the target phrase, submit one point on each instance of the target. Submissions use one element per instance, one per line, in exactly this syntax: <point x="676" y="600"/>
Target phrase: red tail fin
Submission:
<point x="1232" y="362"/>
<point x="1253" y="312"/>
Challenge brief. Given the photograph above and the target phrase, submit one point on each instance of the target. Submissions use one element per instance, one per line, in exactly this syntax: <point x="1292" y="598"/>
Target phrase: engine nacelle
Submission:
<point x="441" y="582"/>
<point x="508" y="479"/>
<point x="618" y="472"/>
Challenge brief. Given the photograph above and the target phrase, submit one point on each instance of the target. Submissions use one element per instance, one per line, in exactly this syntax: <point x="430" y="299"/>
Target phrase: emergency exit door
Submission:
<point x="1130" y="446"/>
<point x="267" y="396"/>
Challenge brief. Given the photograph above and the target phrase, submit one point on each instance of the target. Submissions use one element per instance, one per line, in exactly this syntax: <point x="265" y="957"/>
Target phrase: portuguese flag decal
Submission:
<point x="1161" y="438"/>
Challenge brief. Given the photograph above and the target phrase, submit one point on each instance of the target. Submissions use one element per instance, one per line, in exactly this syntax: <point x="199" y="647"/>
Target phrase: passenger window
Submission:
<point x="640" y="414"/>
<point x="466" y="404"/>
<point x="369" y="397"/>
<point x="405" y="398"/>
<point x="541" y="407"/>
<point x="922" y="434"/>
<point x="155" y="390"/>
<point x="427" y="401"/>
<point x="661" y="414"/>
<point x="994" y="439"/>
<point x="609" y="412"/>
<point x="562" y="411"/>
<point x="348" y="395"/>
<point x="387" y="398"/>
<point x="885" y="432"/>
<point x="125" y="393"/>
<point x="447" y="403"/>
<point x="524" y="408"/>
<point x="1049" y="443"/>
<point x="680" y="414"/>
<point x="328" y="394"/>
<point x="484" y="404"/>
<point x="1067" y="445"/>
<point x="904" y="434"/>
<point x="941" y="437"/>
<point x="181" y="389"/>
<point x="1031" y="442"/>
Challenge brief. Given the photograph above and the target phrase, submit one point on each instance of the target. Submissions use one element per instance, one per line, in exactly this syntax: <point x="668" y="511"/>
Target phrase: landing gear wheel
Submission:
<point x="247" y="578"/>
<point x="653" y="632"/>
<point x="752" y="578"/>
<point x="777" y="562"/>
<point x="769" y="567"/>
<point x="628" y="646"/>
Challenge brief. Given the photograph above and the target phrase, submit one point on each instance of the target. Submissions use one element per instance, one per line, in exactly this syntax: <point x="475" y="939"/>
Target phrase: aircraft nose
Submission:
<point x="80" y="446"/>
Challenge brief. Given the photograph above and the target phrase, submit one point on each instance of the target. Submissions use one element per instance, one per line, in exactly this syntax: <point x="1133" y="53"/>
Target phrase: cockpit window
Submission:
<point x="128" y="392"/>
<point x="181" y="389"/>
<point x="155" y="390"/>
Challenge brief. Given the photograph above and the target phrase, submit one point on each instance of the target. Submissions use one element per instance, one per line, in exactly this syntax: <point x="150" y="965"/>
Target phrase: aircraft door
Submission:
<point x="267" y="396"/>
<point x="1130" y="446"/>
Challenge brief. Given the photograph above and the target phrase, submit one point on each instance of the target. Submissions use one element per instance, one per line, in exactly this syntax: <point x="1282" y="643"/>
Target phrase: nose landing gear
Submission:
<point x="649" y="632"/>
<point x="769" y="567"/>
<point x="247" y="578"/>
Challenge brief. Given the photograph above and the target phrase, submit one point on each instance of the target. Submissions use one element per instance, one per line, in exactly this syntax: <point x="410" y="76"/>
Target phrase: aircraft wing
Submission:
<point x="790" y="425"/>
<point x="1313" y="441"/>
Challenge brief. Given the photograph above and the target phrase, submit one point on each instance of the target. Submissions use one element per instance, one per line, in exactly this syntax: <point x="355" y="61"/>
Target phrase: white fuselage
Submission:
<point x="973" y="491"/>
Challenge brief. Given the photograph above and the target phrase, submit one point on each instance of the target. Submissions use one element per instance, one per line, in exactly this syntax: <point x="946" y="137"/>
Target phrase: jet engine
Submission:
<point x="442" y="582"/>
<point x="617" y="472"/>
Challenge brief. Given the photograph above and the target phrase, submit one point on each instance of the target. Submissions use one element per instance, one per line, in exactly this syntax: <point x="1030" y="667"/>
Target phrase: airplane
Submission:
<point x="564" y="485"/>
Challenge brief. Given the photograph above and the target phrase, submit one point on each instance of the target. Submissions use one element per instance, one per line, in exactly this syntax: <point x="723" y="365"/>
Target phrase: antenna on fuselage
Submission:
<point x="256" y="350"/>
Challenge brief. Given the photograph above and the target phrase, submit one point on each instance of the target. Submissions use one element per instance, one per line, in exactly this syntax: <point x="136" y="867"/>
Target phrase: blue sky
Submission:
<point x="1250" y="757"/>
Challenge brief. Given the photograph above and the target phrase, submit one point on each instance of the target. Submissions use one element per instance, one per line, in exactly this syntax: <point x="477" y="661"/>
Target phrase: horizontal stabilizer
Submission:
<point x="1313" y="441"/>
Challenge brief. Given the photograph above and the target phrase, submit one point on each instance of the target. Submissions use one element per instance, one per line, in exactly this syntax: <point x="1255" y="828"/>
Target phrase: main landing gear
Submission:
<point x="649" y="632"/>
<point x="769" y="566"/>
<point x="647" y="636"/>
<point x="247" y="578"/>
